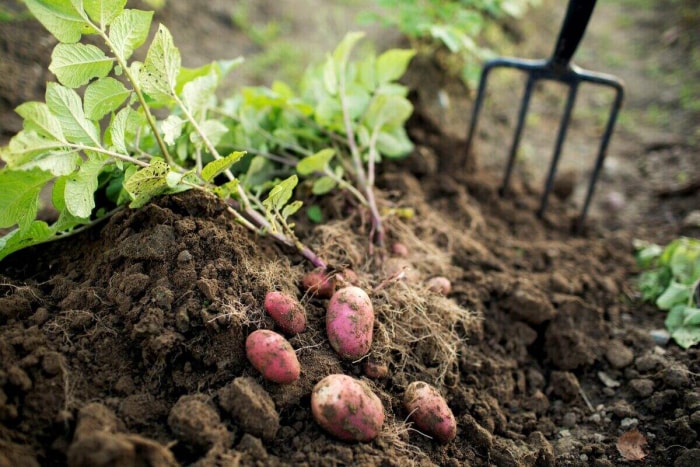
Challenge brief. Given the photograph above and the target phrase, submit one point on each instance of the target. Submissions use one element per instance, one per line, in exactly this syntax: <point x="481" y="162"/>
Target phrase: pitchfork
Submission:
<point x="557" y="68"/>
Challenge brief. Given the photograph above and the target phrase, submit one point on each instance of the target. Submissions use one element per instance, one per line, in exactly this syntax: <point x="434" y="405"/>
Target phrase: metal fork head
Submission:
<point x="571" y="76"/>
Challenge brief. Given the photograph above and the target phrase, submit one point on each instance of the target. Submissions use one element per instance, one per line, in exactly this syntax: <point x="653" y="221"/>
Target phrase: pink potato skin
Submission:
<point x="273" y="356"/>
<point x="287" y="312"/>
<point x="347" y="408"/>
<point x="430" y="412"/>
<point x="350" y="322"/>
<point x="318" y="283"/>
<point x="440" y="285"/>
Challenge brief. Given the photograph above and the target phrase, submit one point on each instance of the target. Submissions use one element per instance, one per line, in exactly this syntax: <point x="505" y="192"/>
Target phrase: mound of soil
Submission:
<point x="126" y="347"/>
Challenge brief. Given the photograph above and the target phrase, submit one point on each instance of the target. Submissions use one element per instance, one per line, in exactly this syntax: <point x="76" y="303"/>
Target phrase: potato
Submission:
<point x="440" y="285"/>
<point x="347" y="408"/>
<point x="430" y="412"/>
<point x="348" y="277"/>
<point x="399" y="249"/>
<point x="350" y="322"/>
<point x="273" y="356"/>
<point x="375" y="369"/>
<point x="318" y="283"/>
<point x="287" y="312"/>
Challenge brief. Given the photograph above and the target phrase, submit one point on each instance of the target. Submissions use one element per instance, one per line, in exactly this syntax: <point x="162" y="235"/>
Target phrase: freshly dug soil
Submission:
<point x="125" y="346"/>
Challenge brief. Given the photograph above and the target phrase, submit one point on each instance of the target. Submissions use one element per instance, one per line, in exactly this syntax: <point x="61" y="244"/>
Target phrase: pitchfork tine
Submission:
<point x="557" y="68"/>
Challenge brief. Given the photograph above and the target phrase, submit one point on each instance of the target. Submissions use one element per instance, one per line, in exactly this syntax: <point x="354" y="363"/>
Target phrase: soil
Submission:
<point x="125" y="346"/>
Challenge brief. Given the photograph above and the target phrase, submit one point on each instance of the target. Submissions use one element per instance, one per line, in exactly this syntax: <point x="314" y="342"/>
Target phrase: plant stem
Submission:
<point x="137" y="89"/>
<point x="377" y="234"/>
<point x="84" y="227"/>
<point x="106" y="152"/>
<point x="348" y="186"/>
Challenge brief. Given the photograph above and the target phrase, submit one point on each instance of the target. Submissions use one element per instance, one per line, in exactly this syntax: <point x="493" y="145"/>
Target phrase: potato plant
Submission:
<point x="671" y="279"/>
<point x="124" y="131"/>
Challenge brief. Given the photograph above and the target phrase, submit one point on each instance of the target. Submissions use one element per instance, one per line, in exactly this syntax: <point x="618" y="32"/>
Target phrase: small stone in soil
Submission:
<point x="642" y="387"/>
<point x="618" y="354"/>
<point x="564" y="384"/>
<point x="569" y="420"/>
<point x="676" y="376"/>
<point x="660" y="336"/>
<point x="649" y="362"/>
<point x="628" y="423"/>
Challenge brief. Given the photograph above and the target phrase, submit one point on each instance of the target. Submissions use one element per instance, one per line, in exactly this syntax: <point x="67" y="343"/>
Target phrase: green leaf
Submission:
<point x="395" y="143"/>
<point x="213" y="130"/>
<point x="76" y="64"/>
<point x="291" y="209"/>
<point x="341" y="54"/>
<point x="648" y="254"/>
<point x="103" y="12"/>
<point x="323" y="185"/>
<point x="20" y="200"/>
<point x="198" y="94"/>
<point x="675" y="294"/>
<point x="314" y="214"/>
<point x="280" y="194"/>
<point x="158" y="75"/>
<point x="388" y="111"/>
<point x="129" y="31"/>
<point x="81" y="186"/>
<point x="116" y="132"/>
<point x="675" y="317"/>
<point x="65" y="104"/>
<point x="683" y="261"/>
<point x="57" y="162"/>
<point x="104" y="96"/>
<point x="35" y="233"/>
<point x="330" y="77"/>
<point x="147" y="183"/>
<point x="60" y="18"/>
<point x="172" y="128"/>
<point x="687" y="337"/>
<point x="227" y="189"/>
<point x="25" y="146"/>
<point x="691" y="317"/>
<point x="220" y="67"/>
<point x="215" y="167"/>
<point x="39" y="118"/>
<point x="357" y="99"/>
<point x="392" y="64"/>
<point x="316" y="162"/>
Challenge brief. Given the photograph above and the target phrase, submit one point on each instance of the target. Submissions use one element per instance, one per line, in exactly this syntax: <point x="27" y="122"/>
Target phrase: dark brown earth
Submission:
<point x="125" y="346"/>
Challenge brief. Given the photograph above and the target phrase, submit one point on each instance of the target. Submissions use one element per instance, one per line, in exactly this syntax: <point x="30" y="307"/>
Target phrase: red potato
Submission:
<point x="273" y="356"/>
<point x="318" y="283"/>
<point x="350" y="322"/>
<point x="347" y="408"/>
<point x="348" y="277"/>
<point x="430" y="412"/>
<point x="375" y="370"/>
<point x="440" y="285"/>
<point x="286" y="311"/>
<point x="399" y="249"/>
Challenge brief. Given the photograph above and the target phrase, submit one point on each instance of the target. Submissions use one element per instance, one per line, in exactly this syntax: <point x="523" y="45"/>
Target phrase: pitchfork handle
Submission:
<point x="577" y="15"/>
